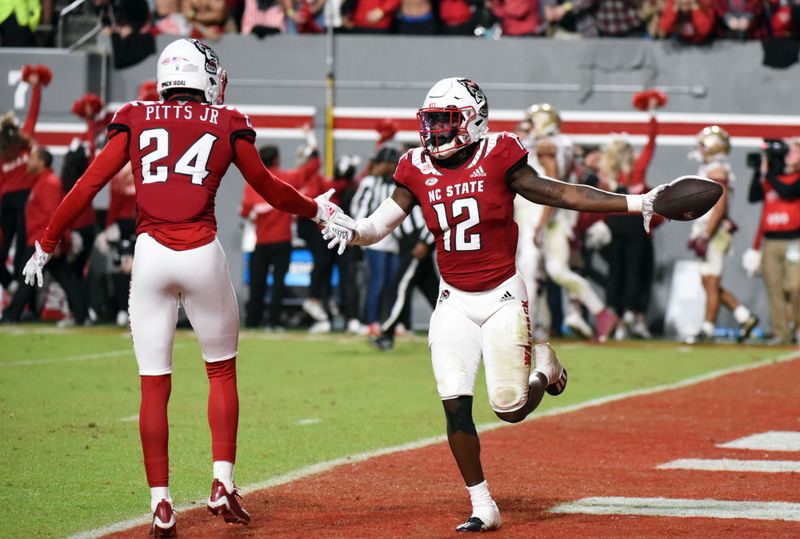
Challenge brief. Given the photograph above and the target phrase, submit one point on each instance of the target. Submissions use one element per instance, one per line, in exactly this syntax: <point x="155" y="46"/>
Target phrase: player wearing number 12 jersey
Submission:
<point x="180" y="149"/>
<point x="465" y="180"/>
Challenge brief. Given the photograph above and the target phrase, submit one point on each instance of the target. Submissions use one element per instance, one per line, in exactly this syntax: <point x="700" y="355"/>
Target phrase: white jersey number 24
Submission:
<point x="191" y="163"/>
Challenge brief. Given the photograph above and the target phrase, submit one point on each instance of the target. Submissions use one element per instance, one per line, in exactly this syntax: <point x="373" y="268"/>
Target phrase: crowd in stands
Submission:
<point x="556" y="253"/>
<point x="133" y="23"/>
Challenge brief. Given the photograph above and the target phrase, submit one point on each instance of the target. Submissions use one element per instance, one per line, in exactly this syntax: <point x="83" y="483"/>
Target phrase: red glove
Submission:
<point x="641" y="99"/>
<point x="699" y="246"/>
<point x="87" y="106"/>
<point x="148" y="91"/>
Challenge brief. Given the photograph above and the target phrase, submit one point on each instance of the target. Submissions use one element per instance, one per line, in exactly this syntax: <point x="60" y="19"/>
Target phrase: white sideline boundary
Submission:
<point x="682" y="508"/>
<point x="361" y="457"/>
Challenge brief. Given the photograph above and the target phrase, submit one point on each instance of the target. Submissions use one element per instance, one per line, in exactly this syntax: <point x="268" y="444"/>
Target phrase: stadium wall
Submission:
<point x="280" y="82"/>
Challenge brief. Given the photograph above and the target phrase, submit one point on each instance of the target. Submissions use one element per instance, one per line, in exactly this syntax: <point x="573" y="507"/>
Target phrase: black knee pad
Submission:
<point x="459" y="415"/>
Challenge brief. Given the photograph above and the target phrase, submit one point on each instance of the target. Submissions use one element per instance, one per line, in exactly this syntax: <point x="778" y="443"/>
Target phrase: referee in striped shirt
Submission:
<point x="415" y="269"/>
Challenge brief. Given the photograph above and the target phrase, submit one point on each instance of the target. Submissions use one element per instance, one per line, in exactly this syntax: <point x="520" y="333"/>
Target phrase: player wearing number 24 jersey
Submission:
<point x="465" y="180"/>
<point x="179" y="149"/>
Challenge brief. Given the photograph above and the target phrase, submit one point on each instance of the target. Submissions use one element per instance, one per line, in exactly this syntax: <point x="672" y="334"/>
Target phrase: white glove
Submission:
<point x="598" y="235"/>
<point x="644" y="204"/>
<point x="32" y="272"/>
<point x="340" y="233"/>
<point x="751" y="262"/>
<point x="327" y="211"/>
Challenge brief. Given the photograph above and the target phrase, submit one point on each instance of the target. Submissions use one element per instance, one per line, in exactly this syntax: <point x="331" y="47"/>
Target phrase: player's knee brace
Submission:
<point x="459" y="415"/>
<point x="507" y="398"/>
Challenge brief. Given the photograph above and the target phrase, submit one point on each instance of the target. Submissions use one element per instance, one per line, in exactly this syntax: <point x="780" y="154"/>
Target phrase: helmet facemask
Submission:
<point x="443" y="130"/>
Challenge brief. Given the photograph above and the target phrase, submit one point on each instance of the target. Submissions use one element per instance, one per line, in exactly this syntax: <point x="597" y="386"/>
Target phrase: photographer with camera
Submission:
<point x="776" y="182"/>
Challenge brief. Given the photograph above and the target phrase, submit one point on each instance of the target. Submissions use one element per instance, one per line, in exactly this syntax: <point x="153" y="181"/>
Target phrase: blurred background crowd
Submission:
<point x="589" y="276"/>
<point x="132" y="24"/>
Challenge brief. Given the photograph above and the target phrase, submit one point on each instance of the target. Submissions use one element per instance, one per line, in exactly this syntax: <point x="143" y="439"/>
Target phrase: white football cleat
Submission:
<point x="546" y="362"/>
<point x="320" y="327"/>
<point x="576" y="323"/>
<point x="483" y="519"/>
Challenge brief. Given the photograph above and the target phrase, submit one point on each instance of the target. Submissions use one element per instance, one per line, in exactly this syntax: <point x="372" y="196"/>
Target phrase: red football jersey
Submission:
<point x="179" y="152"/>
<point x="469" y="210"/>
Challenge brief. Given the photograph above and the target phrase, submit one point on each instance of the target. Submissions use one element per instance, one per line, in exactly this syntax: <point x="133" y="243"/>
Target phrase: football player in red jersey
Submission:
<point x="465" y="181"/>
<point x="179" y="149"/>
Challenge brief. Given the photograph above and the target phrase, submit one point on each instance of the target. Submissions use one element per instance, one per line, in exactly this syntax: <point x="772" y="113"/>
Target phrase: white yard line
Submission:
<point x="65" y="359"/>
<point x="669" y="507"/>
<point x="733" y="465"/>
<point x="360" y="457"/>
<point x="767" y="441"/>
<point x="79" y="357"/>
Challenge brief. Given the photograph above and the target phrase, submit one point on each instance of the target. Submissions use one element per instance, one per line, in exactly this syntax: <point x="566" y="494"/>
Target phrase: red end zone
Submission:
<point x="612" y="450"/>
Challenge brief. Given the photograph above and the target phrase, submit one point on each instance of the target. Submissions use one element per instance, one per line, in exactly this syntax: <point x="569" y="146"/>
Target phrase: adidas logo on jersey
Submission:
<point x="507" y="297"/>
<point x="478" y="172"/>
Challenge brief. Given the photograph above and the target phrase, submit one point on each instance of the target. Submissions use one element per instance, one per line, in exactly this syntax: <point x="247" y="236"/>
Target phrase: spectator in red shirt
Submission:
<point x="690" y="21"/>
<point x="45" y="196"/>
<point x="784" y="18"/>
<point x="458" y="17"/>
<point x="273" y="247"/>
<point x="369" y="16"/>
<point x="518" y="17"/>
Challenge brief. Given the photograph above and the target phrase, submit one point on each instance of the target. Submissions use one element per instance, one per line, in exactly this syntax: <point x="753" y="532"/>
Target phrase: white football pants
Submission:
<point x="199" y="277"/>
<point x="492" y="325"/>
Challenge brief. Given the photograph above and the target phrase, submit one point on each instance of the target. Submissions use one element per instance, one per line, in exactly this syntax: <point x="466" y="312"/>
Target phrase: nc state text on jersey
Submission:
<point x="179" y="112"/>
<point x="458" y="189"/>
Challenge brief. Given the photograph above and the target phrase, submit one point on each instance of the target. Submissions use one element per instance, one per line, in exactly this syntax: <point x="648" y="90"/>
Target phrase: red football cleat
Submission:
<point x="222" y="502"/>
<point x="164" y="521"/>
<point x="606" y="322"/>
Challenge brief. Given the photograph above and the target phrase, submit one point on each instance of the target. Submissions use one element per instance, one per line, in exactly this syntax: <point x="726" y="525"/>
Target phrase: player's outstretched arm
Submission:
<point x="373" y="228"/>
<point x="276" y="192"/>
<point x="543" y="190"/>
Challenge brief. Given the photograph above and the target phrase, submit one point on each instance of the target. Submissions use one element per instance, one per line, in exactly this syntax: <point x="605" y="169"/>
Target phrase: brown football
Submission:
<point x="687" y="198"/>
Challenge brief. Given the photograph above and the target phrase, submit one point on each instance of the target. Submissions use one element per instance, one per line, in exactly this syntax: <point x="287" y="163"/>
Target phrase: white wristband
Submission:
<point x="635" y="203"/>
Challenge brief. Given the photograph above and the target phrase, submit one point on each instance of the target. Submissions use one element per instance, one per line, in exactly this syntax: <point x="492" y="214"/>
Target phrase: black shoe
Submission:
<point x="700" y="338"/>
<point x="383" y="343"/>
<point x="747" y="327"/>
<point x="473" y="524"/>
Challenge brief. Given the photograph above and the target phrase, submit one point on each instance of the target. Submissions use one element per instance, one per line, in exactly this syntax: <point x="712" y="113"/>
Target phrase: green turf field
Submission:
<point x="69" y="399"/>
